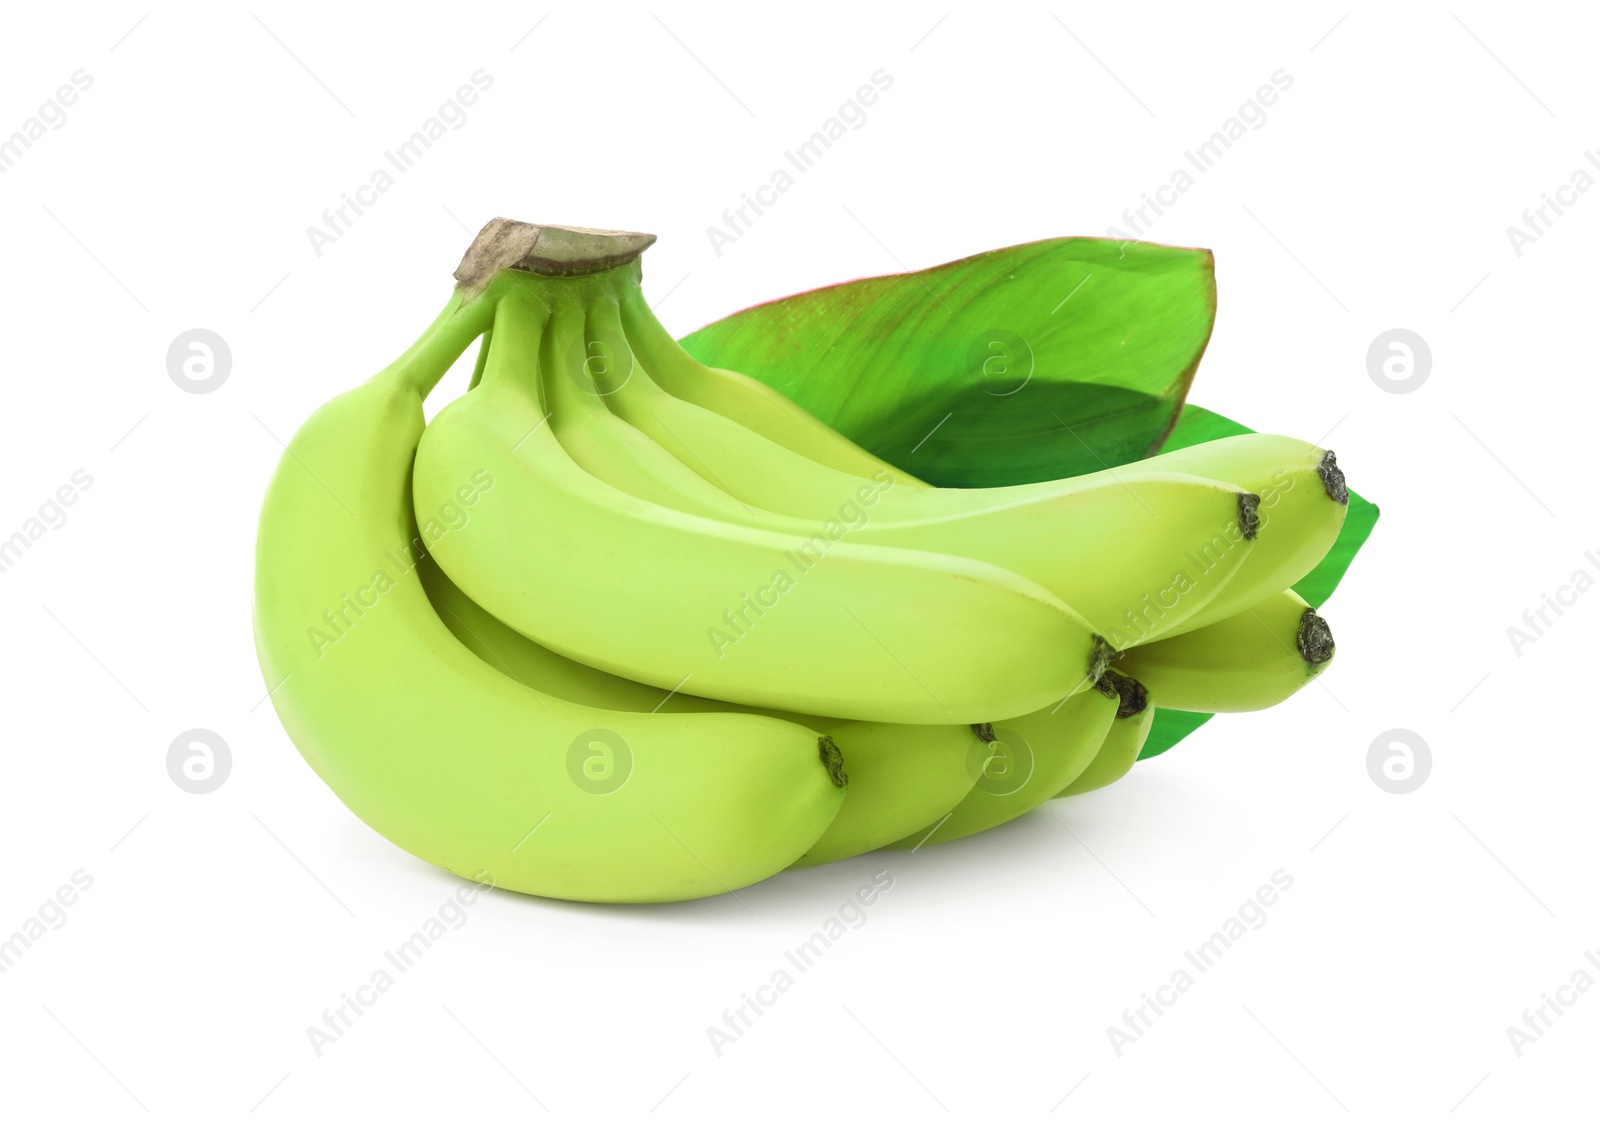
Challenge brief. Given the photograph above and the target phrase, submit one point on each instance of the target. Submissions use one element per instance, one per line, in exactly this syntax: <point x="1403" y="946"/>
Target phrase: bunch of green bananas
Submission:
<point x="617" y="626"/>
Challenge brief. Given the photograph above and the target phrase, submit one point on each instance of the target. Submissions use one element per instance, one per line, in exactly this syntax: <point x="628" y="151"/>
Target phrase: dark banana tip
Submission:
<point x="1100" y="657"/>
<point x="1132" y="696"/>
<point x="1333" y="478"/>
<point x="1249" y="514"/>
<point x="984" y="730"/>
<point x="832" y="760"/>
<point x="1314" y="639"/>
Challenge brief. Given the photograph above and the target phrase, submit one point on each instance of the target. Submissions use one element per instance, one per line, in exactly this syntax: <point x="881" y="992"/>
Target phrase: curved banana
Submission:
<point x="737" y="613"/>
<point x="1123" y="741"/>
<point x="1025" y="761"/>
<point x="456" y="762"/>
<point x="1249" y="661"/>
<point x="1303" y="505"/>
<point x="1133" y="556"/>
<point x="608" y="448"/>
<point x="755" y="406"/>
<point x="900" y="777"/>
<point x="424" y="597"/>
<point x="533" y="665"/>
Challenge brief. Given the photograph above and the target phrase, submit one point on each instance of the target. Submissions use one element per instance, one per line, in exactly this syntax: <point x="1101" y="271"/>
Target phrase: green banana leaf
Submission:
<point x="1032" y="362"/>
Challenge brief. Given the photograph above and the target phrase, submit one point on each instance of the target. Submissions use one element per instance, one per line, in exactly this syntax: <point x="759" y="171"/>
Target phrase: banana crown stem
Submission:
<point x="552" y="265"/>
<point x="558" y="326"/>
<point x="509" y="293"/>
<point x="551" y="251"/>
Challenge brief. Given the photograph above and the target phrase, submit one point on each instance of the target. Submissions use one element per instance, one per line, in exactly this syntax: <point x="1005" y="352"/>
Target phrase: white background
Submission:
<point x="1376" y="195"/>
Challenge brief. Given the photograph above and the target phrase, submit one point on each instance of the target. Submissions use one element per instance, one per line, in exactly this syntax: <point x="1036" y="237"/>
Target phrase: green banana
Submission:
<point x="1300" y="487"/>
<point x="1104" y="542"/>
<point x="1120" y="749"/>
<point x="514" y="655"/>
<point x="755" y="406"/>
<point x="872" y="633"/>
<point x="900" y="777"/>
<point x="449" y="758"/>
<point x="1303" y="505"/>
<point x="1133" y="556"/>
<point x="1249" y="661"/>
<point x="611" y="450"/>
<point x="1023" y="762"/>
<point x="620" y="627"/>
